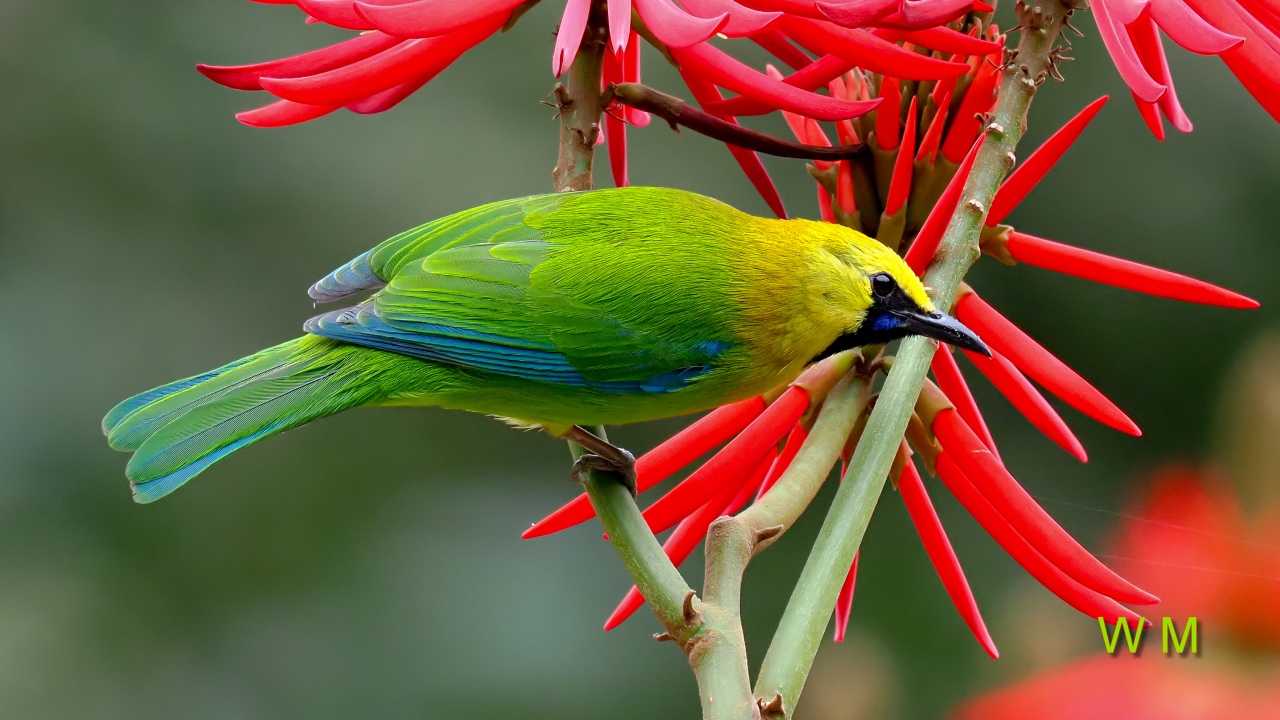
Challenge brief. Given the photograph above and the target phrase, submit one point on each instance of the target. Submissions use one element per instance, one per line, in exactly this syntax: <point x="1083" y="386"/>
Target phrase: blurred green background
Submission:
<point x="369" y="565"/>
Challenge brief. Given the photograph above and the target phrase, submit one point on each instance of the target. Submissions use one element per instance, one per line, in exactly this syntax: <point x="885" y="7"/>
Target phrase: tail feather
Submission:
<point x="180" y="429"/>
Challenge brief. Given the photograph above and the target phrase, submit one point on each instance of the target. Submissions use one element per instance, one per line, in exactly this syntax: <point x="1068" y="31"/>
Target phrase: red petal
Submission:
<point x="844" y="188"/>
<point x="933" y="136"/>
<point x="1025" y="515"/>
<point x="619" y="24"/>
<point x="750" y="162"/>
<point x="979" y="98"/>
<point x="1043" y="367"/>
<point x="573" y="25"/>
<point x="866" y="50"/>
<point x="825" y="209"/>
<point x="1034" y="168"/>
<point x="737" y="458"/>
<point x="1189" y="30"/>
<point x="1125" y="274"/>
<point x="429" y="18"/>
<point x="674" y="27"/>
<point x="1146" y="40"/>
<point x="888" y="116"/>
<point x="1255" y="63"/>
<point x="1024" y="396"/>
<point x="742" y="21"/>
<point x="723" y="70"/>
<point x="794" y="441"/>
<point x="926" y="242"/>
<point x="844" y="601"/>
<point x="339" y="13"/>
<point x="389" y="98"/>
<point x="662" y="462"/>
<point x="631" y="73"/>
<point x="941" y="39"/>
<point x="1125" y="57"/>
<point x="245" y="77"/>
<point x="405" y="62"/>
<point x="1078" y="596"/>
<point x="941" y="554"/>
<point x="811" y="77"/>
<point x="780" y="47"/>
<point x="691" y="531"/>
<point x="803" y="8"/>
<point x="615" y="128"/>
<point x="925" y="13"/>
<point x="857" y="14"/>
<point x="952" y="384"/>
<point x="283" y="112"/>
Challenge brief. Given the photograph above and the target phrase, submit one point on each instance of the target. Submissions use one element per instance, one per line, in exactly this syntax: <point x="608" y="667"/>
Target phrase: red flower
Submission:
<point x="406" y="43"/>
<point x="1244" y="33"/>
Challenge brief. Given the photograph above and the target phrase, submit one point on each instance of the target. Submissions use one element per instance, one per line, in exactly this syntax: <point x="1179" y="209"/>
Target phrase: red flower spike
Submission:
<point x="925" y="245"/>
<point x="752" y="166"/>
<point x="887" y="119"/>
<point x="979" y="98"/>
<point x="1126" y="274"/>
<point x="691" y="531"/>
<point x="429" y="18"/>
<point x="743" y="21"/>
<point x="1254" y="62"/>
<point x="619" y="12"/>
<point x="1025" y="515"/>
<point x="811" y="77"/>
<point x="941" y="39"/>
<point x="1125" y="57"/>
<point x="245" y="77"/>
<point x="1189" y="30"/>
<point x="408" y="61"/>
<point x="844" y="601"/>
<point x="780" y="465"/>
<point x="631" y="73"/>
<point x="1078" y="596"/>
<point x="1032" y="170"/>
<point x="736" y="459"/>
<point x="674" y="27"/>
<point x="1023" y="395"/>
<point x="844" y="188"/>
<point x="573" y="25"/>
<point x="865" y="50"/>
<point x="825" y="209"/>
<point x="721" y="69"/>
<point x="780" y="47"/>
<point x="662" y="462"/>
<point x="283" y="112"/>
<point x="951" y="382"/>
<point x="933" y="136"/>
<point x="942" y="555"/>
<point x="857" y="14"/>
<point x="1043" y="367"/>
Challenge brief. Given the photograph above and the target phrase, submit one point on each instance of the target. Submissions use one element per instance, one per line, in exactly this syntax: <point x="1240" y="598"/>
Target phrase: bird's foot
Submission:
<point x="603" y="456"/>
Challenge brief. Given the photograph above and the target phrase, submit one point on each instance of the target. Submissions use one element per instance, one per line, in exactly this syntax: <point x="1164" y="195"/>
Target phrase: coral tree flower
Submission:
<point x="403" y="44"/>
<point x="903" y="192"/>
<point x="1188" y="540"/>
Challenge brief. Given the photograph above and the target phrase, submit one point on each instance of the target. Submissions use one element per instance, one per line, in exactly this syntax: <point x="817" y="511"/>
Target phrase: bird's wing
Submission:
<point x="575" y="310"/>
<point x="494" y="222"/>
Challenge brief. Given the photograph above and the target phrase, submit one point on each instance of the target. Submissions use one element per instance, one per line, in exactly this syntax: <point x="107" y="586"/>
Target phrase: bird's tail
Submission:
<point x="178" y="430"/>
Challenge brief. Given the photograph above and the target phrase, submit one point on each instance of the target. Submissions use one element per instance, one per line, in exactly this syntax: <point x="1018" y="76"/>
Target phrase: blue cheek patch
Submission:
<point x="885" y="322"/>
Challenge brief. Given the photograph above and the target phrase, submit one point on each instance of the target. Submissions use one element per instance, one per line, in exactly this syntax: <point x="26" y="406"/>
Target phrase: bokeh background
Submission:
<point x="369" y="565"/>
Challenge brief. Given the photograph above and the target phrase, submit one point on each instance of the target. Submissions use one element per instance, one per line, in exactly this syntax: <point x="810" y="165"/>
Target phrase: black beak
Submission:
<point x="941" y="327"/>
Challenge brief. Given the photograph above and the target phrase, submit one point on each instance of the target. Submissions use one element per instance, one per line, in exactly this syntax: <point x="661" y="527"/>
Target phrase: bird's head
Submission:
<point x="881" y="299"/>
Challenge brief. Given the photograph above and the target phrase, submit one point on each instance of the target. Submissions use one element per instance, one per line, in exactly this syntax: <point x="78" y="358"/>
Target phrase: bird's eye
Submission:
<point x="882" y="285"/>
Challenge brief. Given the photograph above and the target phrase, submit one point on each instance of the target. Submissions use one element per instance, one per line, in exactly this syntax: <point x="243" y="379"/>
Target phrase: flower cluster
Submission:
<point x="903" y="192"/>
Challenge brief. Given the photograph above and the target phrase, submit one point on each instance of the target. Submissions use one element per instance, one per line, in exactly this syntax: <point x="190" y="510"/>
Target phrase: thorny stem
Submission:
<point x="789" y="658"/>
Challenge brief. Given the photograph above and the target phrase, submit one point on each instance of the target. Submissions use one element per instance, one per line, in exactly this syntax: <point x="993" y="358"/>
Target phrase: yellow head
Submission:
<point x="871" y="296"/>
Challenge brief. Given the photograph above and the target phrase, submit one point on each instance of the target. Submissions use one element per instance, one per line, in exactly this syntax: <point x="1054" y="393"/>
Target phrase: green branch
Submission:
<point x="789" y="658"/>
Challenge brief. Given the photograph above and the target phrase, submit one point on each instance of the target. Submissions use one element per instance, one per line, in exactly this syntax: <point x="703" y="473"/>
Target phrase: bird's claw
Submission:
<point x="623" y="468"/>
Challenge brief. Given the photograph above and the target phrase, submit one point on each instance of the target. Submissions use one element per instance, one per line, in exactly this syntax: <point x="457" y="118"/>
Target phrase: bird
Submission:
<point x="559" y="312"/>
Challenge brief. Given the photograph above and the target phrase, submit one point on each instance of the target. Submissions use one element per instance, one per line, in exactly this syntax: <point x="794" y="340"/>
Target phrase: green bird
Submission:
<point x="554" y="311"/>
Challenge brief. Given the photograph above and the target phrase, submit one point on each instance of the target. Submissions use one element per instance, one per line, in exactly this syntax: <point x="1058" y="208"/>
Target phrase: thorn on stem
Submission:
<point x="768" y="534"/>
<point x="690" y="614"/>
<point x="772" y="707"/>
<point x="664" y="637"/>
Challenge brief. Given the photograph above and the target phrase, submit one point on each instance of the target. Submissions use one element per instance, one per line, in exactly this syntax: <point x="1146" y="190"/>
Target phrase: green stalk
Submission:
<point x="789" y="658"/>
